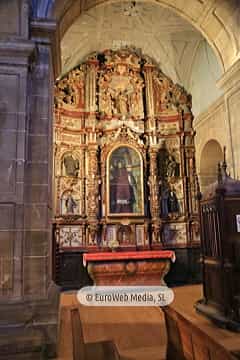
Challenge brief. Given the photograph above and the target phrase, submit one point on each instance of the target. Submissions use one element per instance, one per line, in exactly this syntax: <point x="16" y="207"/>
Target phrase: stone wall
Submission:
<point x="14" y="58"/>
<point x="220" y="122"/>
<point x="230" y="82"/>
<point x="14" y="19"/>
<point x="28" y="298"/>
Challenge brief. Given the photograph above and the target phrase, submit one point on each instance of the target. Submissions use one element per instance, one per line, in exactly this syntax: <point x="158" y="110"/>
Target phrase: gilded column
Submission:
<point x="82" y="182"/>
<point x="92" y="188"/>
<point x="148" y="71"/>
<point x="92" y="151"/>
<point x="90" y="100"/>
<point x="184" y="175"/>
<point x="154" y="194"/>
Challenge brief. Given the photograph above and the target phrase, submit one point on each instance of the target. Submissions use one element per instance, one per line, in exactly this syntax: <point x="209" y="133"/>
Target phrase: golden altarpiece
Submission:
<point x="124" y="157"/>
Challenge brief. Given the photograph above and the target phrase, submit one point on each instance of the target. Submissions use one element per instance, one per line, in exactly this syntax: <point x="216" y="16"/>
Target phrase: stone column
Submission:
<point x="29" y="299"/>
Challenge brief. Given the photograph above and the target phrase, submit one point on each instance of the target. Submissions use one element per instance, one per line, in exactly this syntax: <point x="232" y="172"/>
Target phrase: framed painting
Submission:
<point x="125" y="182"/>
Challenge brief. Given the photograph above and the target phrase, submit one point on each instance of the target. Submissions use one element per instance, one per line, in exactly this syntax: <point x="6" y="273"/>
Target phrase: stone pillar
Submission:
<point x="28" y="297"/>
<point x="148" y="69"/>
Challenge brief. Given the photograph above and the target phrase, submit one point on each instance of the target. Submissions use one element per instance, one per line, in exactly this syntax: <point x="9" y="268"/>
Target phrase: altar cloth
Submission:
<point x="129" y="255"/>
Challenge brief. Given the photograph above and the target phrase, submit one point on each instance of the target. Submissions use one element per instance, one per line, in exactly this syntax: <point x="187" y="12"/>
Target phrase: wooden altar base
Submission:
<point x="129" y="268"/>
<point x="139" y="333"/>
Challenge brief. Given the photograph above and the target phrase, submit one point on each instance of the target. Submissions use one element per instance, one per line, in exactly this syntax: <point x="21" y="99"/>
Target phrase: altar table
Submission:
<point x="129" y="268"/>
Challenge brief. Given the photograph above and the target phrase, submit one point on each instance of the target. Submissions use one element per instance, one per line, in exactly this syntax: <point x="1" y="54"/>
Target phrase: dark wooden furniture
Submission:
<point x="220" y="242"/>
<point x="187" y="342"/>
<point x="89" y="351"/>
<point x="71" y="275"/>
<point x="174" y="342"/>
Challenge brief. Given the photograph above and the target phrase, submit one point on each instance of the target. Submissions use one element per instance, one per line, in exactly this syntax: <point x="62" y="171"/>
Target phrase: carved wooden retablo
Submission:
<point x="124" y="155"/>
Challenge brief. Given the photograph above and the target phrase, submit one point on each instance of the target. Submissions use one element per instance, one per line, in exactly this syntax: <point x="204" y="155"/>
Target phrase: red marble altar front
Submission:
<point x="129" y="268"/>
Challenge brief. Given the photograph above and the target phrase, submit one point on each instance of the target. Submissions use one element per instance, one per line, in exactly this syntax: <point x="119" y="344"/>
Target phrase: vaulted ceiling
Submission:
<point x="172" y="42"/>
<point x="157" y="31"/>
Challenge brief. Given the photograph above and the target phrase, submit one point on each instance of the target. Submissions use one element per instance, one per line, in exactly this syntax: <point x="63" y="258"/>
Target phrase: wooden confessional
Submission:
<point x="220" y="243"/>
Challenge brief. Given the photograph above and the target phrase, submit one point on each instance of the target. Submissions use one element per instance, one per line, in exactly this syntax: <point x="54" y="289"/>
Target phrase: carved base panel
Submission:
<point x="129" y="272"/>
<point x="127" y="234"/>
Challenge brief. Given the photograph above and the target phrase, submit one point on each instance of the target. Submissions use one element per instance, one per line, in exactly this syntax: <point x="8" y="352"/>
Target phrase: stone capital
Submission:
<point x="42" y="29"/>
<point x="14" y="52"/>
<point x="46" y="32"/>
<point x="148" y="67"/>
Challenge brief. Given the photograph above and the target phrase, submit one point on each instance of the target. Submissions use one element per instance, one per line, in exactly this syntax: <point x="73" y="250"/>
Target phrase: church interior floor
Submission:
<point x="138" y="332"/>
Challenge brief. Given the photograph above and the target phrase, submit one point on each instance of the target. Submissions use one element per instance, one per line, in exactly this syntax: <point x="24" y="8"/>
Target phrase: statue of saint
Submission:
<point x="70" y="204"/>
<point x="164" y="202"/>
<point x="71" y="166"/>
<point x="169" y="202"/>
<point x="172" y="167"/>
<point x="122" y="105"/>
<point x="173" y="205"/>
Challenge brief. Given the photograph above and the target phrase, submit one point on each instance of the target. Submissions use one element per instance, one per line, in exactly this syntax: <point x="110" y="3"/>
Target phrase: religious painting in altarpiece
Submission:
<point x="124" y="178"/>
<point x="124" y="156"/>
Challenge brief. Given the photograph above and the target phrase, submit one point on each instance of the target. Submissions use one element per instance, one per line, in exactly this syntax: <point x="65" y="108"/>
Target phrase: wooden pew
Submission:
<point x="187" y="341"/>
<point x="174" y="341"/>
<point x="104" y="350"/>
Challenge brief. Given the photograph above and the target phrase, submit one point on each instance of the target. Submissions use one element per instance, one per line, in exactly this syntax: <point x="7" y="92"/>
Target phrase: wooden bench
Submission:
<point x="104" y="350"/>
<point x="187" y="341"/>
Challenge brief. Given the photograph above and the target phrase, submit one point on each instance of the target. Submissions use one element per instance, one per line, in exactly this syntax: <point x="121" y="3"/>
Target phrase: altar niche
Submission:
<point x="124" y="182"/>
<point x="124" y="157"/>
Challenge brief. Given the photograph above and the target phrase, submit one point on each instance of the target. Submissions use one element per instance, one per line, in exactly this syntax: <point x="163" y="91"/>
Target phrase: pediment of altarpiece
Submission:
<point x="120" y="85"/>
<point x="125" y="136"/>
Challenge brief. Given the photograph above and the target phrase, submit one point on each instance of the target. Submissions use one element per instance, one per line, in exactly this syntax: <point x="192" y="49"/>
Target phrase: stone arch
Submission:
<point x="221" y="28"/>
<point x="210" y="156"/>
